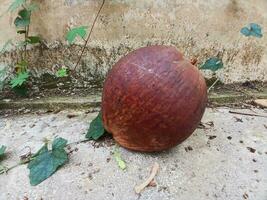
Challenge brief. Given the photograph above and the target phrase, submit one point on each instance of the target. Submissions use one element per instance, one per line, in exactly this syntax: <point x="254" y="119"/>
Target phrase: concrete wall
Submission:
<point x="198" y="28"/>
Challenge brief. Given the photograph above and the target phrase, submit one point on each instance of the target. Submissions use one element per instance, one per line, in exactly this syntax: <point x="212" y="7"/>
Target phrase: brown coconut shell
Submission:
<point x="153" y="99"/>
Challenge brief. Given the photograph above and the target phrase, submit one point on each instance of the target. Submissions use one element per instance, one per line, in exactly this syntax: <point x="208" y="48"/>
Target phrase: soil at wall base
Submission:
<point x="67" y="87"/>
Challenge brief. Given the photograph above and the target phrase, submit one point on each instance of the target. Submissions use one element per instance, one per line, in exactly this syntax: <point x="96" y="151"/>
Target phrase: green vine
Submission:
<point x="22" y="23"/>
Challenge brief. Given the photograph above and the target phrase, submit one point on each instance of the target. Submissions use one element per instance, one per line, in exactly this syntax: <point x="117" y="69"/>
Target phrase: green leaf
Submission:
<point x="33" y="39"/>
<point x="23" y="19"/>
<point x="19" y="79"/>
<point x="119" y="160"/>
<point x="252" y="30"/>
<point x="45" y="162"/>
<point x="59" y="143"/>
<point x="75" y="32"/>
<point x="2" y="150"/>
<point x="21" y="90"/>
<point x="96" y="129"/>
<point x="62" y="73"/>
<point x="212" y="64"/>
<point x="16" y="4"/>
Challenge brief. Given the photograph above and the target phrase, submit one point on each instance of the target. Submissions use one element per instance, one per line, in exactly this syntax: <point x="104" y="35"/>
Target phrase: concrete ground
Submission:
<point x="225" y="161"/>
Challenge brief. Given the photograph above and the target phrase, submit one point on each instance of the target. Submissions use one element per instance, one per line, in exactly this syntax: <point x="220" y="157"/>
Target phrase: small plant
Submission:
<point x="75" y="32"/>
<point x="22" y="24"/>
<point x="62" y="72"/>
<point x="252" y="29"/>
<point x="81" y="31"/>
<point x="213" y="64"/>
<point x="19" y="79"/>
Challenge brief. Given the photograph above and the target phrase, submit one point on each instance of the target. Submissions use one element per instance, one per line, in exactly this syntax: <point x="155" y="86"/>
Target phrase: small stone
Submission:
<point x="211" y="137"/>
<point x="251" y="149"/>
<point x="189" y="148"/>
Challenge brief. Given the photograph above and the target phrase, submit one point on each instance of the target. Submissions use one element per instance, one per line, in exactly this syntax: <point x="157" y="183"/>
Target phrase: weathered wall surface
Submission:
<point x="198" y="28"/>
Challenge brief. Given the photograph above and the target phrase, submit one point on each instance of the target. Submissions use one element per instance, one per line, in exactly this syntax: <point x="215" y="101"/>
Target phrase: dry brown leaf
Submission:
<point x="154" y="171"/>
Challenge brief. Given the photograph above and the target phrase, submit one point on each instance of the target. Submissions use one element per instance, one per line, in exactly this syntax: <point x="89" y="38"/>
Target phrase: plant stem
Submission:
<point x="25" y="47"/>
<point x="78" y="142"/>
<point x="16" y="165"/>
<point x="89" y="36"/>
<point x="23" y="162"/>
<point x="215" y="82"/>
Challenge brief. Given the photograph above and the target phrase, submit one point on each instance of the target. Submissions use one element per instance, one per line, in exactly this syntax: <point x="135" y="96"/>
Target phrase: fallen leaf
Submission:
<point x="44" y="163"/>
<point x="96" y="129"/>
<point x="261" y="102"/>
<point x="121" y="163"/>
<point x="138" y="189"/>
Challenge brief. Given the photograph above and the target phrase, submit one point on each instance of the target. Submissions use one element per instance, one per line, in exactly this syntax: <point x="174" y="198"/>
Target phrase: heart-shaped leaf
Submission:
<point x="96" y="129"/>
<point x="212" y="64"/>
<point x="252" y="30"/>
<point x="75" y="32"/>
<point x="23" y="19"/>
<point x="45" y="162"/>
<point x="19" y="79"/>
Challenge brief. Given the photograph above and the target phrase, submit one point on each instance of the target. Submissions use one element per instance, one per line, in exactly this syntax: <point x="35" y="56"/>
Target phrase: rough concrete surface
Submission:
<point x="199" y="28"/>
<point x="219" y="164"/>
